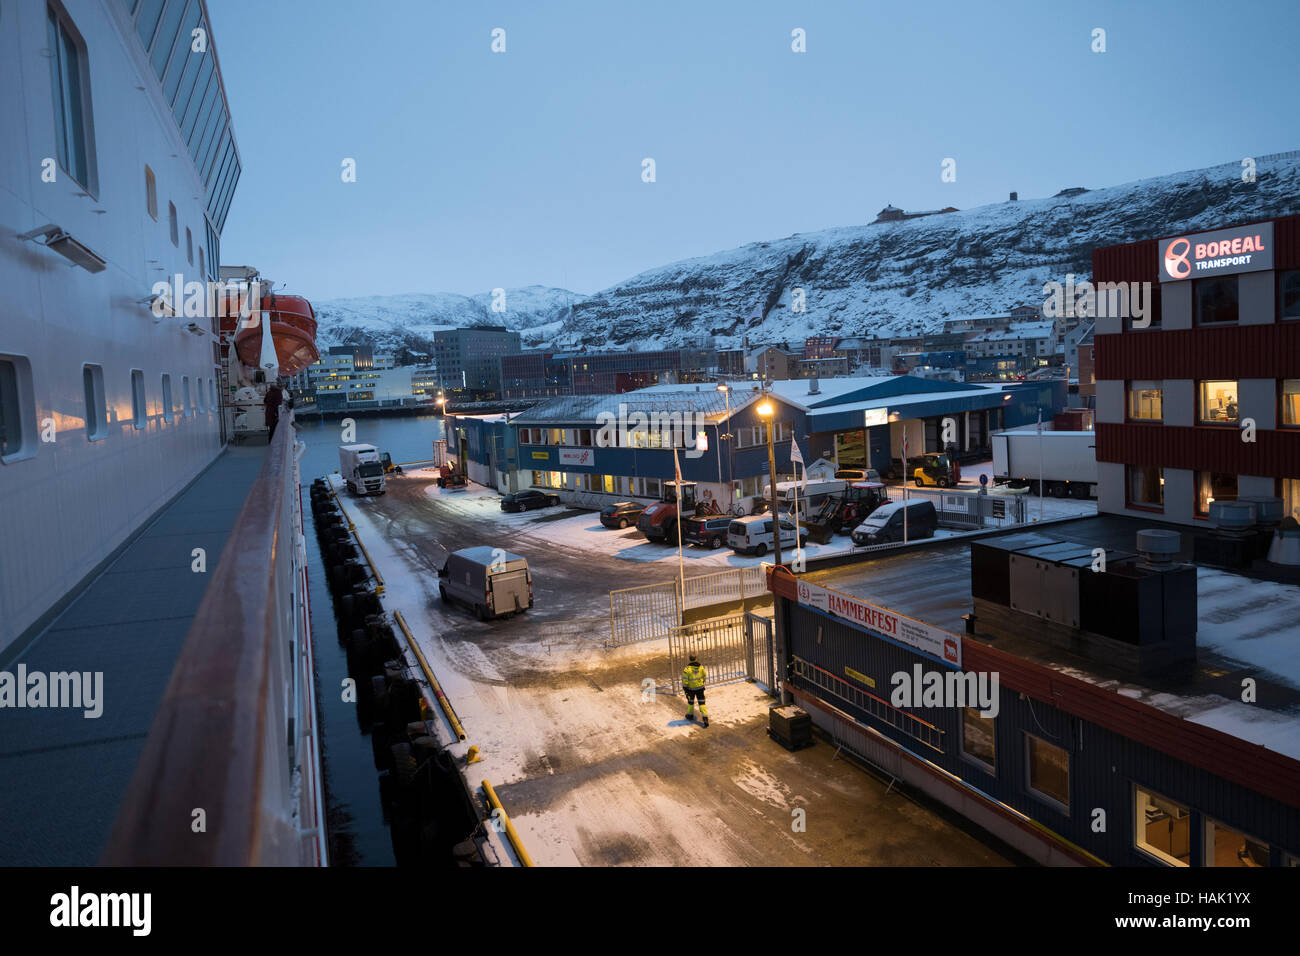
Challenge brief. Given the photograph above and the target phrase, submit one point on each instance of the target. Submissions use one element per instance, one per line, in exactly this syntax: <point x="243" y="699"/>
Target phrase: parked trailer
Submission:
<point x="1067" y="461"/>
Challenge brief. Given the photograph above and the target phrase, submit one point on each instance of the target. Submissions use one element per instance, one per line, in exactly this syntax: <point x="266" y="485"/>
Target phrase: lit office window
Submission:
<point x="139" y="409"/>
<point x="1162" y="828"/>
<point x="70" y="79"/>
<point x="1216" y="300"/>
<point x="1225" y="846"/>
<point x="979" y="738"/>
<point x="1291" y="402"/>
<point x="1217" y="403"/>
<point x="1145" y="401"/>
<point x="92" y="381"/>
<point x="1146" y="486"/>
<point x="1211" y="487"/>
<point x="1291" y="497"/>
<point x="1048" y="769"/>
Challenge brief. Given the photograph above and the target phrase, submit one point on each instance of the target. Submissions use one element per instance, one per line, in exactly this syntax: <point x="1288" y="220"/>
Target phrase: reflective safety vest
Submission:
<point x="693" y="676"/>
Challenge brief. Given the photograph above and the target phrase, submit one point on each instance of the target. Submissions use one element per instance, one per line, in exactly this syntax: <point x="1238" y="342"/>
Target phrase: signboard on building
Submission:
<point x="875" y="416"/>
<point x="582" y="457"/>
<point x="1217" y="253"/>
<point x="935" y="642"/>
<point x="542" y="455"/>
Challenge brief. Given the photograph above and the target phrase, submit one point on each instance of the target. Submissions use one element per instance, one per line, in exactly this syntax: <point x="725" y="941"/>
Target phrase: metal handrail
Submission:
<point x="224" y="740"/>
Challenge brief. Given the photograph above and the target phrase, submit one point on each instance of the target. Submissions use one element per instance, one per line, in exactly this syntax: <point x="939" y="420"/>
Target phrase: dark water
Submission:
<point x="358" y="833"/>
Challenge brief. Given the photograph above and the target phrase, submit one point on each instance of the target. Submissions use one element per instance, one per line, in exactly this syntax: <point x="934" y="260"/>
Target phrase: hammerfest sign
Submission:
<point x="943" y="646"/>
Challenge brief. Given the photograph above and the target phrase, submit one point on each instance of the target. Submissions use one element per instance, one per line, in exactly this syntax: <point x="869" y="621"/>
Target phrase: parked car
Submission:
<point x="489" y="581"/>
<point x="886" y="522"/>
<point x="858" y="474"/>
<point x="621" y="514"/>
<point x="708" y="531"/>
<point x="753" y="534"/>
<point x="527" y="500"/>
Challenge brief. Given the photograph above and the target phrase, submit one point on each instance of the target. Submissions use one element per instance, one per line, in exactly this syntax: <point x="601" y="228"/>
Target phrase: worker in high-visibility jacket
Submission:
<point x="693" y="684"/>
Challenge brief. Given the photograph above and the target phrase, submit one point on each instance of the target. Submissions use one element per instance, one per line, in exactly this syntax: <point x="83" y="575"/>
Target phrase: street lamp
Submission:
<point x="766" y="412"/>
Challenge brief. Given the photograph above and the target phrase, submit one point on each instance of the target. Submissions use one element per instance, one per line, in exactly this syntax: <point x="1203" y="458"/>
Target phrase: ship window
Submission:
<point x="189" y="245"/>
<point x="1048" y="769"/>
<point x="184" y="90"/>
<point x="147" y="21"/>
<point x="139" y="410"/>
<point x="182" y="53"/>
<point x="173" y="225"/>
<point x="92" y="382"/>
<point x="17" y="422"/>
<point x="187" y="400"/>
<point x="165" y="38"/>
<point x="169" y="413"/>
<point x="151" y="192"/>
<point x="212" y="391"/>
<point x="1162" y="828"/>
<point x="72" y="120"/>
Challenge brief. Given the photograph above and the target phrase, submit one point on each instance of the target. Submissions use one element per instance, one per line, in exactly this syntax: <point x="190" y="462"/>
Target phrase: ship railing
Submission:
<point x="230" y="771"/>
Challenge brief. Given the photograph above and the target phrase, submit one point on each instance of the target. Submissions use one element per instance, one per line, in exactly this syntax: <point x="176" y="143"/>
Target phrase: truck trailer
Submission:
<point x="1065" y="460"/>
<point x="362" y="469"/>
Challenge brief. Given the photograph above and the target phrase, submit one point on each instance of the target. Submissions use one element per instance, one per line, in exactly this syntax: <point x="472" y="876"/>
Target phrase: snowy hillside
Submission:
<point x="394" y="322"/>
<point x="887" y="279"/>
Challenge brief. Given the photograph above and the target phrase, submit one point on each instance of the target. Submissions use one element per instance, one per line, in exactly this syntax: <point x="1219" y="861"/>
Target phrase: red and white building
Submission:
<point x="1204" y="404"/>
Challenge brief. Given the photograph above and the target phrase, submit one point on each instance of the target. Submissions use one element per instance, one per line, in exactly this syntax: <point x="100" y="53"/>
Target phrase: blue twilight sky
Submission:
<point x="477" y="170"/>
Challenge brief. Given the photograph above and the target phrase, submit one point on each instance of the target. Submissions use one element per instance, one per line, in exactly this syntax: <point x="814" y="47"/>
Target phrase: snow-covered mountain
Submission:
<point x="884" y="279"/>
<point x="398" y="322"/>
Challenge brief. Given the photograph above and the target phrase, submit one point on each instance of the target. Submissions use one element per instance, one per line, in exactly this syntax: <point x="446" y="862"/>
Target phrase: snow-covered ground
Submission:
<point x="595" y="765"/>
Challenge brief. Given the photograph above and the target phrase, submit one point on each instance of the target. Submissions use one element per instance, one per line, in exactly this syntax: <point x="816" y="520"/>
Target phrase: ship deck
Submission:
<point x="65" y="774"/>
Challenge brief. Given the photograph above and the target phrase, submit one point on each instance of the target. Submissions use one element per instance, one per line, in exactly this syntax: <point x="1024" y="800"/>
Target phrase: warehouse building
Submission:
<point x="1077" y="714"/>
<point x="1204" y="404"/>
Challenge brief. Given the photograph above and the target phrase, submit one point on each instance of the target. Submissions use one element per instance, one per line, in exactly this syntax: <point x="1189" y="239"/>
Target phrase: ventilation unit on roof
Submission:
<point x="1158" y="547"/>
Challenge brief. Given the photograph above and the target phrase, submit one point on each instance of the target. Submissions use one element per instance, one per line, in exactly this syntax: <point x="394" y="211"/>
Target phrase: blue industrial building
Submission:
<point x="721" y="439"/>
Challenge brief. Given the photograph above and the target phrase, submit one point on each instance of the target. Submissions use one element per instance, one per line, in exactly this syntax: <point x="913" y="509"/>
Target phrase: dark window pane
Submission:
<point x="1049" y="770"/>
<point x="11" y="422"/>
<point x="1146" y="486"/>
<point x="203" y="93"/>
<point x="1289" y="294"/>
<point x="193" y="68"/>
<point x="182" y="57"/>
<point x="1216" y="300"/>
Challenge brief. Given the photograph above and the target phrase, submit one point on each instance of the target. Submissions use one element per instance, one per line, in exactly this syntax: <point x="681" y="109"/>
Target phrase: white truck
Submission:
<point x="362" y="469"/>
<point x="1066" y="460"/>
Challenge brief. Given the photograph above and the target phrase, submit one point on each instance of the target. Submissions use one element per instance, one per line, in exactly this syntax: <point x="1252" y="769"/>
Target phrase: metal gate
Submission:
<point x="760" y="647"/>
<point x="643" y="614"/>
<point x="722" y="646"/>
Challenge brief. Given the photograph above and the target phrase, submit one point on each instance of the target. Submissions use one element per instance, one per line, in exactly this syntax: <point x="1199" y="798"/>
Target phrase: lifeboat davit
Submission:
<point x="293" y="330"/>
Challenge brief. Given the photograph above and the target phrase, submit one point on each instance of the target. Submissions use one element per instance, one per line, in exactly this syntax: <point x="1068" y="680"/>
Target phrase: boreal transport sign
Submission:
<point x="1222" y="252"/>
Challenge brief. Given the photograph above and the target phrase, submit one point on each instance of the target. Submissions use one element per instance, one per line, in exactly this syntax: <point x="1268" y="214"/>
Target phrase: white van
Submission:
<point x="490" y="581"/>
<point x="753" y="534"/>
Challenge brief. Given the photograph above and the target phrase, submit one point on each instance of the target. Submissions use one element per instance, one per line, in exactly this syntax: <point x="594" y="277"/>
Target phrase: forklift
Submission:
<point x="386" y="460"/>
<point x="939" y="469"/>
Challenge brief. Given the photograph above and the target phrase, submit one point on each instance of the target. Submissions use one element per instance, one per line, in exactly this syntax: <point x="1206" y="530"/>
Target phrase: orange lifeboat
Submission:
<point x="293" y="330"/>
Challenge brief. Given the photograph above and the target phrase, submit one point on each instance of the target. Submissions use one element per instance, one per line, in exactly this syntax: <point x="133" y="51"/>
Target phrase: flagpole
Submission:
<point x="681" y="566"/>
<point x="904" y="482"/>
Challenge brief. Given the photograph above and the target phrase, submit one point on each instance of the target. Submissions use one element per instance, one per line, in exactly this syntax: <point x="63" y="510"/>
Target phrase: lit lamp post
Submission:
<point x="726" y="436"/>
<point x="767" y="412"/>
